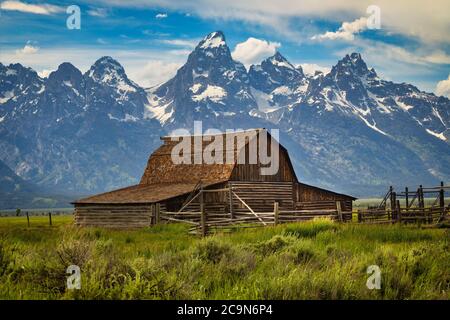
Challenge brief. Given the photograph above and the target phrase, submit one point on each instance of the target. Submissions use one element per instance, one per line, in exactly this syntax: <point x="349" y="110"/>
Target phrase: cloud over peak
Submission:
<point x="443" y="87"/>
<point x="253" y="50"/>
<point x="28" y="49"/>
<point x="347" y="31"/>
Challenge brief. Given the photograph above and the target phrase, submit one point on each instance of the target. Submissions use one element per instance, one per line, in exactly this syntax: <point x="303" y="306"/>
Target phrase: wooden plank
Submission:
<point x="249" y="208"/>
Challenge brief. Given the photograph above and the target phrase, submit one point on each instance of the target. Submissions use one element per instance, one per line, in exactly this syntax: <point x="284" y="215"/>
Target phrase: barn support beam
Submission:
<point x="157" y="213"/>
<point x="339" y="211"/>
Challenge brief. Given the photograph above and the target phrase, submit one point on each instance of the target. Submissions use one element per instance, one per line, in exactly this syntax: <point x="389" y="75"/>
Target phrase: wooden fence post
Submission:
<point x="442" y="200"/>
<point x="406" y="198"/>
<point x="202" y="214"/>
<point x="157" y="212"/>
<point x="421" y="197"/>
<point x="230" y="195"/>
<point x="339" y="210"/>
<point x="50" y="219"/>
<point x="28" y="219"/>
<point x="391" y="195"/>
<point x="422" y="212"/>
<point x="276" y="212"/>
<point x="360" y="218"/>
<point x="399" y="212"/>
<point x="394" y="203"/>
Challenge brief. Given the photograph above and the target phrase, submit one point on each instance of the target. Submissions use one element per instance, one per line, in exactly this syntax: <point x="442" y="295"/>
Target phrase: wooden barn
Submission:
<point x="226" y="187"/>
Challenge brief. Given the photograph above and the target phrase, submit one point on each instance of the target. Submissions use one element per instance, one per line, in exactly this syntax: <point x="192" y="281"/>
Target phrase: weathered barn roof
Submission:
<point x="141" y="193"/>
<point x="160" y="167"/>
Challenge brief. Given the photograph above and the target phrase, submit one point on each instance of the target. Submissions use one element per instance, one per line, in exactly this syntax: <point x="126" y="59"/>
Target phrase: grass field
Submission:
<point x="313" y="260"/>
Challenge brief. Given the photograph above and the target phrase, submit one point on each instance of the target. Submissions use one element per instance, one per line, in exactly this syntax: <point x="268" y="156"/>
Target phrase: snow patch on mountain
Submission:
<point x="437" y="135"/>
<point x="195" y="87"/>
<point x="213" y="93"/>
<point x="264" y="101"/>
<point x="156" y="109"/>
<point x="213" y="40"/>
<point x="6" y="96"/>
<point x="127" y="118"/>
<point x="402" y="105"/>
<point x="11" y="72"/>
<point x="373" y="126"/>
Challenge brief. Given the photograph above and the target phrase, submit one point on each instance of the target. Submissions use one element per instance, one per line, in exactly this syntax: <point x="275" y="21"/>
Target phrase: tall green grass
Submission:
<point x="310" y="260"/>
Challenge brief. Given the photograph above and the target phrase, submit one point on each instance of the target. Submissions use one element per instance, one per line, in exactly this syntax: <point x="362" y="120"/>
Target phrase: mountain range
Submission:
<point x="347" y="130"/>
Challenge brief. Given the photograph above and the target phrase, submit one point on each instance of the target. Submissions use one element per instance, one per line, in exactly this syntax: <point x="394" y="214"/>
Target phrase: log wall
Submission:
<point x="308" y="196"/>
<point x="113" y="216"/>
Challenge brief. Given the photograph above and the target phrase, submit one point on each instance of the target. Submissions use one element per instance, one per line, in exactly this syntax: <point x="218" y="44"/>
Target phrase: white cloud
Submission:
<point x="387" y="53"/>
<point x="161" y="16"/>
<point x="155" y="72"/>
<point x="443" y="88"/>
<point x="180" y="52"/>
<point x="311" y="68"/>
<point x="44" y="9"/>
<point x="437" y="57"/>
<point x="253" y="50"/>
<point x="98" y="12"/>
<point x="181" y="42"/>
<point x="27" y="49"/>
<point x="346" y="32"/>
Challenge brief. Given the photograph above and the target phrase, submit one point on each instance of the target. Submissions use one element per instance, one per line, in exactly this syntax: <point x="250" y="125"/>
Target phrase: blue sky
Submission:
<point x="153" y="38"/>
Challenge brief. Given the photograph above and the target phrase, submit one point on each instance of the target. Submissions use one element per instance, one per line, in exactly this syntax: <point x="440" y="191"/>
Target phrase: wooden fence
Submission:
<point x="430" y="215"/>
<point x="409" y="207"/>
<point x="203" y="223"/>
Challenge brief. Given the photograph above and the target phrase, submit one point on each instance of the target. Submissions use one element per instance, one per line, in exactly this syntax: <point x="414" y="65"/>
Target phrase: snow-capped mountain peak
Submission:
<point x="351" y="64"/>
<point x="279" y="61"/>
<point x="110" y="72"/>
<point x="211" y="84"/>
<point x="213" y="40"/>
<point x="66" y="74"/>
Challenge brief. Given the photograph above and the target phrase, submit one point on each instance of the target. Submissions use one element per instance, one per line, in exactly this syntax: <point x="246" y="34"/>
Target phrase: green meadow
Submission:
<point x="311" y="260"/>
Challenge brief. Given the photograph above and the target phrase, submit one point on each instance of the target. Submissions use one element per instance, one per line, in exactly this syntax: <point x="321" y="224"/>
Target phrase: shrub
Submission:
<point x="276" y="243"/>
<point x="310" y="229"/>
<point x="74" y="251"/>
<point x="211" y="250"/>
<point x="302" y="252"/>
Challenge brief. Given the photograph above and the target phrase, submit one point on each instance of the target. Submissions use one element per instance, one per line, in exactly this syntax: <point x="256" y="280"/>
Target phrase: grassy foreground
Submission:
<point x="313" y="260"/>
